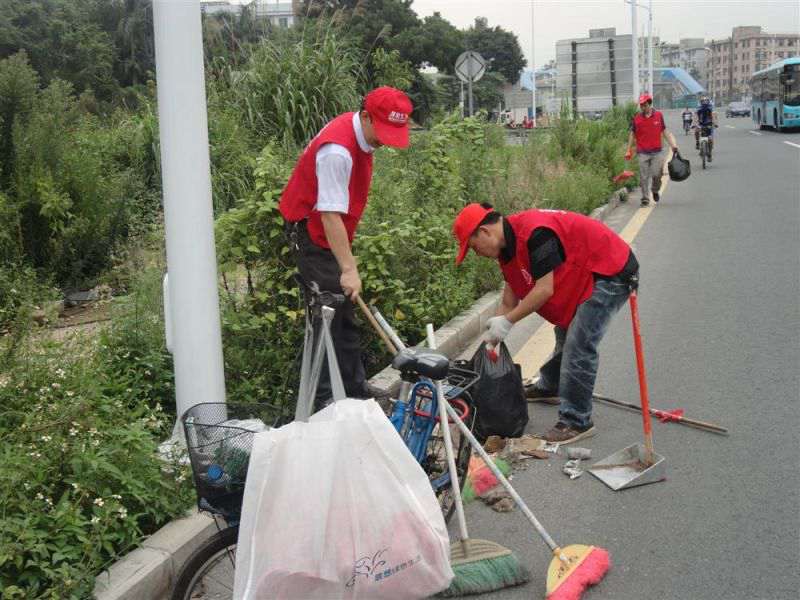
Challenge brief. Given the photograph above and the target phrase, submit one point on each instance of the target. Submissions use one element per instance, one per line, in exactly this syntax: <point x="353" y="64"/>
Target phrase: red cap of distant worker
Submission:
<point x="389" y="109"/>
<point x="465" y="225"/>
<point x="644" y="98"/>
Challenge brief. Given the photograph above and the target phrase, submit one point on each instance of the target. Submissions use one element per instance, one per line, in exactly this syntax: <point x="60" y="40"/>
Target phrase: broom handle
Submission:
<point x="637" y="343"/>
<point x="374" y="323"/>
<point x="704" y="425"/>
<point x="448" y="447"/>
<point x="497" y="473"/>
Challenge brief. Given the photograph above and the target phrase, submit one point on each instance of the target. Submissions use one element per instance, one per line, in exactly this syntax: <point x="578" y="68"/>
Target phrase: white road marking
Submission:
<point x="754" y="132"/>
<point x="730" y="126"/>
<point x="792" y="144"/>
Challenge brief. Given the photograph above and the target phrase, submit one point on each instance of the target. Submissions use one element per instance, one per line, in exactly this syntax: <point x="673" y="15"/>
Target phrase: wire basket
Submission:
<point x="219" y="437"/>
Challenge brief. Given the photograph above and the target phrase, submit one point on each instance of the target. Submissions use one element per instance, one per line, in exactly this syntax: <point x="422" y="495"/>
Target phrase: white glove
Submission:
<point x="498" y="328"/>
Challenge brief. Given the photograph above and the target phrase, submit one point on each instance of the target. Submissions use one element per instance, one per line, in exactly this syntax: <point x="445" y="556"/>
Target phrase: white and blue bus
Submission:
<point x="776" y="95"/>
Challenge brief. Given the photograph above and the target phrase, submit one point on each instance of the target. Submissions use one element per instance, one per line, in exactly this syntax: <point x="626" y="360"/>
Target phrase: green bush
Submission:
<point x="80" y="480"/>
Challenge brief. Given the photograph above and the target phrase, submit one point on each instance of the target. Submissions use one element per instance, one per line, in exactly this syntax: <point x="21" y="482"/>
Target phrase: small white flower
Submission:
<point x="27" y="486"/>
<point x="75" y="486"/>
<point x="147" y="372"/>
<point x="95" y="520"/>
<point x="55" y="386"/>
<point x="46" y="438"/>
<point x="128" y="390"/>
<point x="39" y="496"/>
<point x="99" y="502"/>
<point x="48" y="501"/>
<point x="70" y="393"/>
<point x="123" y="512"/>
<point x="73" y="432"/>
<point x="35" y="454"/>
<point x="93" y="431"/>
<point x="116" y="496"/>
<point x="95" y="443"/>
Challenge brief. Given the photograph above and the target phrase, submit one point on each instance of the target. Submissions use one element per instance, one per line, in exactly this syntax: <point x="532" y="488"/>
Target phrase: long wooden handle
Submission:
<point x="704" y="425"/>
<point x="365" y="309"/>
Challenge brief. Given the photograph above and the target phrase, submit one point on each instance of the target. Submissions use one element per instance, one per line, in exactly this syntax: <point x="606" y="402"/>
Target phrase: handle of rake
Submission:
<point x="365" y="309"/>
<point x="704" y="425"/>
<point x="637" y="343"/>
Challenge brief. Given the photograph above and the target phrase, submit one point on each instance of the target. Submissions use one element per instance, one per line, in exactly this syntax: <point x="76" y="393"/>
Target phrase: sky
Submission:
<point x="563" y="19"/>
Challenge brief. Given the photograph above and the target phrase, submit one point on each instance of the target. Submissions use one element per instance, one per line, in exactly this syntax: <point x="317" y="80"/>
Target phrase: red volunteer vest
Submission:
<point x="590" y="247"/>
<point x="300" y="195"/>
<point x="647" y="131"/>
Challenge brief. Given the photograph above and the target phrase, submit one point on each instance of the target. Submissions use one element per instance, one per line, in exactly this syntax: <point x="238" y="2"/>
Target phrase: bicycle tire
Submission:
<point x="195" y="579"/>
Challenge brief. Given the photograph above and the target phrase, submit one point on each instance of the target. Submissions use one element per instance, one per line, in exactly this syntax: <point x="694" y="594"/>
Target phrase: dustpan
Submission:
<point x="638" y="464"/>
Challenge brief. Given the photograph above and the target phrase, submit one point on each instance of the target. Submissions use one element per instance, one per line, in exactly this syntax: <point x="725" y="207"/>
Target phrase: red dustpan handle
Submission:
<point x="637" y="344"/>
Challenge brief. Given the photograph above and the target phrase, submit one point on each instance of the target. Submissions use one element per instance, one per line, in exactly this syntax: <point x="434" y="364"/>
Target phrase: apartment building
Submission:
<point x="733" y="61"/>
<point x="689" y="54"/>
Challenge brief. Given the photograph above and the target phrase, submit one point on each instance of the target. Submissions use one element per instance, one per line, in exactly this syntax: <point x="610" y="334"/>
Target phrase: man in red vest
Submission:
<point x="647" y="129"/>
<point x="572" y="270"/>
<point x="322" y="205"/>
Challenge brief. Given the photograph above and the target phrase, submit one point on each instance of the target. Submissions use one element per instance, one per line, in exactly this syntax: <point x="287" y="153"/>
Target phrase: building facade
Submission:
<point x="281" y="14"/>
<point x="595" y="73"/>
<point x="733" y="61"/>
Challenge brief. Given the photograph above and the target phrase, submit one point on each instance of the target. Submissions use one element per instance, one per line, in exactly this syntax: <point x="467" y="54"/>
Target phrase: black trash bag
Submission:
<point x="679" y="168"/>
<point x="499" y="396"/>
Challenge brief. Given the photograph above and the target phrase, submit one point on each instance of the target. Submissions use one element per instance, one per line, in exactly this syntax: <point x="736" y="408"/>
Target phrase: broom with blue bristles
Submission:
<point x="479" y="566"/>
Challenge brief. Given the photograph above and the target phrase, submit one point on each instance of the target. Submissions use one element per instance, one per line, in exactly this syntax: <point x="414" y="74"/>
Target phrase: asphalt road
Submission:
<point x="720" y="312"/>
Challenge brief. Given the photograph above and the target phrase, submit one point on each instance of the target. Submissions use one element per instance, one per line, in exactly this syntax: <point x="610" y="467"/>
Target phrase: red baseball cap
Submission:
<point x="465" y="225"/>
<point x="389" y="109"/>
<point x="644" y="98"/>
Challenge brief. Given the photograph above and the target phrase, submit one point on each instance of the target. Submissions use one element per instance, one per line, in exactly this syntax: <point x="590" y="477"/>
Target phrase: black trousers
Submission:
<point x="318" y="265"/>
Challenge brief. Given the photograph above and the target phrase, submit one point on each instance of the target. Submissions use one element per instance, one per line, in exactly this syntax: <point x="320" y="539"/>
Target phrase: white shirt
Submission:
<point x="334" y="165"/>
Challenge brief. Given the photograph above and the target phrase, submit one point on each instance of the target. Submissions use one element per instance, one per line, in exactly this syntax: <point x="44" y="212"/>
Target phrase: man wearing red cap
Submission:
<point x="322" y="206"/>
<point x="572" y="270"/>
<point x="647" y="129"/>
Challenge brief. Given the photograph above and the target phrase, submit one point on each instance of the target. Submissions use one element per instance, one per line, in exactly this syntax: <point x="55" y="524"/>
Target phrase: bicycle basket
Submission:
<point x="219" y="437"/>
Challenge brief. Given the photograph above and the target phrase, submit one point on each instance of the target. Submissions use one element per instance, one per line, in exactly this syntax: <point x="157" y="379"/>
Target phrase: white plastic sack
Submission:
<point x="338" y="508"/>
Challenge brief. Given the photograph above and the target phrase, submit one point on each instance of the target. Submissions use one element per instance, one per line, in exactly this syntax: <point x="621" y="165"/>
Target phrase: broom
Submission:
<point x="479" y="566"/>
<point x="574" y="567"/>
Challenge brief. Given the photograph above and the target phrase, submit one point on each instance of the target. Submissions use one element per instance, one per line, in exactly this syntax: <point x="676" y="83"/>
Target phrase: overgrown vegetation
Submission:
<point x="80" y="479"/>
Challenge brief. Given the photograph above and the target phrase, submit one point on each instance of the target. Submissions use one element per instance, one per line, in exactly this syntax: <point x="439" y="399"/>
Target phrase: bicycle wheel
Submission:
<point x="208" y="574"/>
<point x="435" y="463"/>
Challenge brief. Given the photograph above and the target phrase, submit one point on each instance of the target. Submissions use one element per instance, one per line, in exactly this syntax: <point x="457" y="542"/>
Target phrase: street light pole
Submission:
<point x="650" y="47"/>
<point x="533" y="69"/>
<point x="635" y="52"/>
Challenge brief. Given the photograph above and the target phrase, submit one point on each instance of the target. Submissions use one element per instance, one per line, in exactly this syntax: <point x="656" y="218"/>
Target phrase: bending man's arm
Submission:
<point x="535" y="299"/>
<point x="507" y="302"/>
<point x="336" y="234"/>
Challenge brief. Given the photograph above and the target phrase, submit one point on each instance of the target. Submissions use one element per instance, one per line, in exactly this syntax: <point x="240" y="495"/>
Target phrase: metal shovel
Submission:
<point x="637" y="464"/>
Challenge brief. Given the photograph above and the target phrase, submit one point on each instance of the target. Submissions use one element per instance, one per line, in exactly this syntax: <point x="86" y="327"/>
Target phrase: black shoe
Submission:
<point x="697" y="146"/>
<point x="535" y="394"/>
<point x="709" y="158"/>
<point x="645" y="202"/>
<point x="563" y="433"/>
<point x="656" y="196"/>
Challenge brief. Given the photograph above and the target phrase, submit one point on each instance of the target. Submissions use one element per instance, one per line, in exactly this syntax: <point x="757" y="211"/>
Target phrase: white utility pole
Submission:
<point x="650" y="47"/>
<point x="533" y="69"/>
<point x="192" y="299"/>
<point x="635" y="52"/>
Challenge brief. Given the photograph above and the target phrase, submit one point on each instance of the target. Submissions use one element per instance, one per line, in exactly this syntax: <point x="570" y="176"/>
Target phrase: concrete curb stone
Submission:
<point x="148" y="572"/>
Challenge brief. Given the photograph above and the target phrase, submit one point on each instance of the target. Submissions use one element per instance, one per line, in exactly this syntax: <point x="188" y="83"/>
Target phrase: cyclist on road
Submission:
<point x="572" y="270"/>
<point x="322" y="205"/>
<point x="647" y="129"/>
<point x="687" y="116"/>
<point x="705" y="118"/>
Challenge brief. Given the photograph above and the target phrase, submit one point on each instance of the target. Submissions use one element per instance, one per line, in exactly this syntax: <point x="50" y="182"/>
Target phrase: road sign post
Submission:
<point x="470" y="67"/>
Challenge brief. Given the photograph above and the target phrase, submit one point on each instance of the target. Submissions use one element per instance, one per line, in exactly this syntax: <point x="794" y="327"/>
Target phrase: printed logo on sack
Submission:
<point x="373" y="567"/>
<point x="398" y="117"/>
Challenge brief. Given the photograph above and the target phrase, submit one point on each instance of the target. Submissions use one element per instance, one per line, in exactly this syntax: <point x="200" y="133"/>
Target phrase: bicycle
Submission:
<point x="219" y="451"/>
<point x="687" y="126"/>
<point x="706" y="144"/>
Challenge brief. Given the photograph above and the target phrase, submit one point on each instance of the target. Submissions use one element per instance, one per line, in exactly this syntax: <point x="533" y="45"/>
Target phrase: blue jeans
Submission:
<point x="572" y="367"/>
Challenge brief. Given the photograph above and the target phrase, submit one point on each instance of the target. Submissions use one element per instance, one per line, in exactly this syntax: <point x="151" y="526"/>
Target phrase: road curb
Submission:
<point x="148" y="572"/>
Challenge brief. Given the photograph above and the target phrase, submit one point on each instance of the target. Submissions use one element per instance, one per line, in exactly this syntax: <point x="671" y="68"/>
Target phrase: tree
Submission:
<point x="498" y="45"/>
<point x="18" y="87"/>
<point x="434" y="42"/>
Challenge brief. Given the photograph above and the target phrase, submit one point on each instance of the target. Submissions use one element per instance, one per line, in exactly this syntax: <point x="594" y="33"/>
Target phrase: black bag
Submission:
<point x="501" y="407"/>
<point x="679" y="168"/>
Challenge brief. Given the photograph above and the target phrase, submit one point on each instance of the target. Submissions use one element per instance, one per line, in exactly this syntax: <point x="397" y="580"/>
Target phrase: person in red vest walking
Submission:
<point x="647" y="129"/>
<point x="322" y="206"/>
<point x="572" y="270"/>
